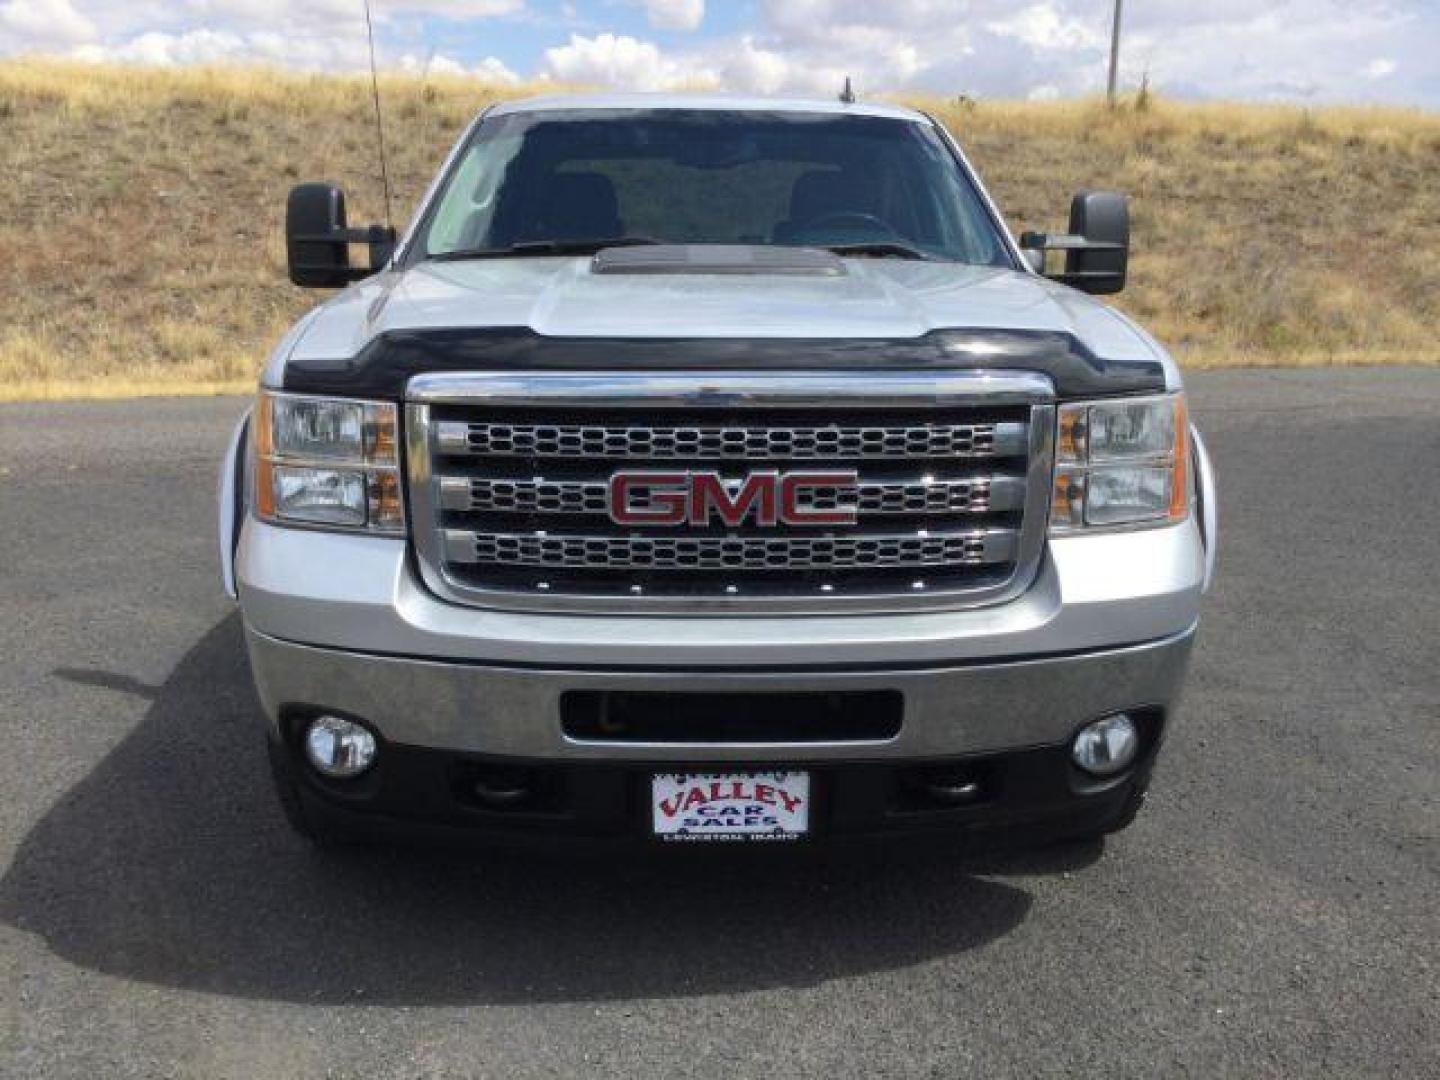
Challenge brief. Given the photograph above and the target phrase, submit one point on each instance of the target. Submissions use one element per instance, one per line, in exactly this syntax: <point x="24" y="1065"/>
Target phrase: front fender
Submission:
<point x="231" y="497"/>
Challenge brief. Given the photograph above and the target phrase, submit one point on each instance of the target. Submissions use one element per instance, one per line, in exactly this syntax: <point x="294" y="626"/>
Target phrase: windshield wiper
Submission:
<point x="545" y="247"/>
<point x="881" y="248"/>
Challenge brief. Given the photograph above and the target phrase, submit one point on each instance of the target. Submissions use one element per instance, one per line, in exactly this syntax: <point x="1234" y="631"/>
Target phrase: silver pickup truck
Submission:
<point x="710" y="469"/>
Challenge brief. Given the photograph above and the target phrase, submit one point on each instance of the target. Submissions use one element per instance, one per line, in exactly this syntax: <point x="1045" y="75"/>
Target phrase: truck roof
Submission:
<point x="729" y="102"/>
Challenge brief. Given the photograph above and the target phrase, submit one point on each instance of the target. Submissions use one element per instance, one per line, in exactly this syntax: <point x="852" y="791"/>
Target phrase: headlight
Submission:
<point x="328" y="463"/>
<point x="1121" y="463"/>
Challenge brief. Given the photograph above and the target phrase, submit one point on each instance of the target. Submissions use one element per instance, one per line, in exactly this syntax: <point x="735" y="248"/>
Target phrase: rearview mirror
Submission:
<point x="1097" y="247"/>
<point x="317" y="240"/>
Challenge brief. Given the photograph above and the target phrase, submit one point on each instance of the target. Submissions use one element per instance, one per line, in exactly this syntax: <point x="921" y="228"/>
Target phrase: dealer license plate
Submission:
<point x="730" y="806"/>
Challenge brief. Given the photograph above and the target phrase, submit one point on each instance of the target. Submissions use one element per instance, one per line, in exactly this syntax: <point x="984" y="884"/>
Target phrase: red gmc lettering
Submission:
<point x="769" y="498"/>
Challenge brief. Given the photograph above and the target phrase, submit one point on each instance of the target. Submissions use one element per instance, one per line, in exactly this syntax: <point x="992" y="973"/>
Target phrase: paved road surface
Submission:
<point x="1274" y="911"/>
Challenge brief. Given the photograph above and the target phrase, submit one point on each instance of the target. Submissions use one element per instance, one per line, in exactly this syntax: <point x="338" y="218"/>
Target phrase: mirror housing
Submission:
<point x="317" y="239"/>
<point x="1097" y="247"/>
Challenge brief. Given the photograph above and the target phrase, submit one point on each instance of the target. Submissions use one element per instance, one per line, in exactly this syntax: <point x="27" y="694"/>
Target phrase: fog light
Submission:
<point x="1107" y="746"/>
<point x="339" y="748"/>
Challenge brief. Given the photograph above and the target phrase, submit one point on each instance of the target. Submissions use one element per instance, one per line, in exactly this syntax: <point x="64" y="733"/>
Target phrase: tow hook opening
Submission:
<point x="501" y="787"/>
<point x="949" y="786"/>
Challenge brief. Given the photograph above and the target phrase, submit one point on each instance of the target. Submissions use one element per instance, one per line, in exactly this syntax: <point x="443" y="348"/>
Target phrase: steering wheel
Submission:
<point x="843" y="218"/>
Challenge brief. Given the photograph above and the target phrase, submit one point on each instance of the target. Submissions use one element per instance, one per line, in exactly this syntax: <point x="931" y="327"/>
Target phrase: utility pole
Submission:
<point x="1114" y="54"/>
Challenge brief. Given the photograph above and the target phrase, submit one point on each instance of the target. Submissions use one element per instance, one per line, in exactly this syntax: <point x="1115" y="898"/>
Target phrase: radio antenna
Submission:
<point x="379" y="120"/>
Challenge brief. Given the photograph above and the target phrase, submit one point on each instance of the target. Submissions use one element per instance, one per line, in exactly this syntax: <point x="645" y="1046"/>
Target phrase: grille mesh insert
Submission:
<point x="729" y="552"/>
<point x="734" y="442"/>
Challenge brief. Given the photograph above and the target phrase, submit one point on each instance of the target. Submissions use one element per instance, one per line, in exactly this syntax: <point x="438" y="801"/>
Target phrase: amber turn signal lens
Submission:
<point x="382" y="443"/>
<point x="264" y="487"/>
<point x="386" y="510"/>
<point x="1070" y="440"/>
<point x="264" y="426"/>
<point x="1180" y="485"/>
<point x="1067" y="501"/>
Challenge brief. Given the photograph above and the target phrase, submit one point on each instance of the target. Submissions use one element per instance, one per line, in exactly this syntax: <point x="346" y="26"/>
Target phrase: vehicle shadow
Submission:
<point x="170" y="863"/>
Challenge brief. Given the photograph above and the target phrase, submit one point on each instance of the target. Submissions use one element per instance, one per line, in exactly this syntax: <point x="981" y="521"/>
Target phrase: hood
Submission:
<point x="885" y="302"/>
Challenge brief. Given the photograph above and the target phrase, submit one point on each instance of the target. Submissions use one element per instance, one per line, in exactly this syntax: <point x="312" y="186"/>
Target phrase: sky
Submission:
<point x="1305" y="51"/>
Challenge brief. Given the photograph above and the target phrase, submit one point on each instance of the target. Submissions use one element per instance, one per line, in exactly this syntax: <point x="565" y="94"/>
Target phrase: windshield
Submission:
<point x="566" y="179"/>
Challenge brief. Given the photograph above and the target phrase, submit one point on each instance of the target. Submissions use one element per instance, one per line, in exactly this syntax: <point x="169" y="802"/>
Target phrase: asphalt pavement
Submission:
<point x="1273" y="912"/>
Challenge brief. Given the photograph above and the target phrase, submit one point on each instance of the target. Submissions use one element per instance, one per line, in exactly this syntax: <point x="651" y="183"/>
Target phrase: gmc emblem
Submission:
<point x="695" y="498"/>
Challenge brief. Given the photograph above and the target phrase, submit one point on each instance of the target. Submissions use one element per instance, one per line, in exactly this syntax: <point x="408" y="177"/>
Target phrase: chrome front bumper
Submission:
<point x="342" y="622"/>
<point x="515" y="711"/>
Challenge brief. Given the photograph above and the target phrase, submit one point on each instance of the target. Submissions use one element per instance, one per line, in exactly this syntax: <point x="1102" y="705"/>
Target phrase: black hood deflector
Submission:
<point x="386" y="364"/>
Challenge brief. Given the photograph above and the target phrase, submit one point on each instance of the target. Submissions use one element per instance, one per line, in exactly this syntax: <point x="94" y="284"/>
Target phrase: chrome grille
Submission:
<point x="509" y="487"/>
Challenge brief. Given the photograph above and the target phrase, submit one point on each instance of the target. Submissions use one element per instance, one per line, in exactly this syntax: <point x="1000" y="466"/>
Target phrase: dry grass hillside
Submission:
<point x="140" y="246"/>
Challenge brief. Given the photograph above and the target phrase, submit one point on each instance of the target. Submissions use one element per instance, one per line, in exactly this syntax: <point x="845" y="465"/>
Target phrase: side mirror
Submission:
<point x="317" y="240"/>
<point x="1097" y="247"/>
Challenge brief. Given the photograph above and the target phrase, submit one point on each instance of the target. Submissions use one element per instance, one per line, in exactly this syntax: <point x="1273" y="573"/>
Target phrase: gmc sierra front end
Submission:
<point x="701" y="469"/>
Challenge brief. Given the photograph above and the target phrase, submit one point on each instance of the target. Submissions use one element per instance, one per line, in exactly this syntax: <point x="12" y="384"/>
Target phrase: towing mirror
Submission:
<point x="1097" y="247"/>
<point x="317" y="240"/>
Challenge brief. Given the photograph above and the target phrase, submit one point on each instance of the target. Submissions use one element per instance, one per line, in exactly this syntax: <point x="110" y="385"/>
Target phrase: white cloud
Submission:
<point x="44" y="22"/>
<point x="816" y="18"/>
<point x="434" y="64"/>
<point x="755" y="70"/>
<point x="493" y="70"/>
<point x="160" y="49"/>
<point x="1380" y="67"/>
<point x="1043" y="26"/>
<point x="614" y="60"/>
<point x="675" y="14"/>
<point x="166" y="50"/>
<point x="489" y="70"/>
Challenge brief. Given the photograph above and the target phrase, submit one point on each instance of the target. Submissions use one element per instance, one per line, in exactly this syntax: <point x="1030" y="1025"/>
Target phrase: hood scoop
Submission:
<point x="732" y="259"/>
